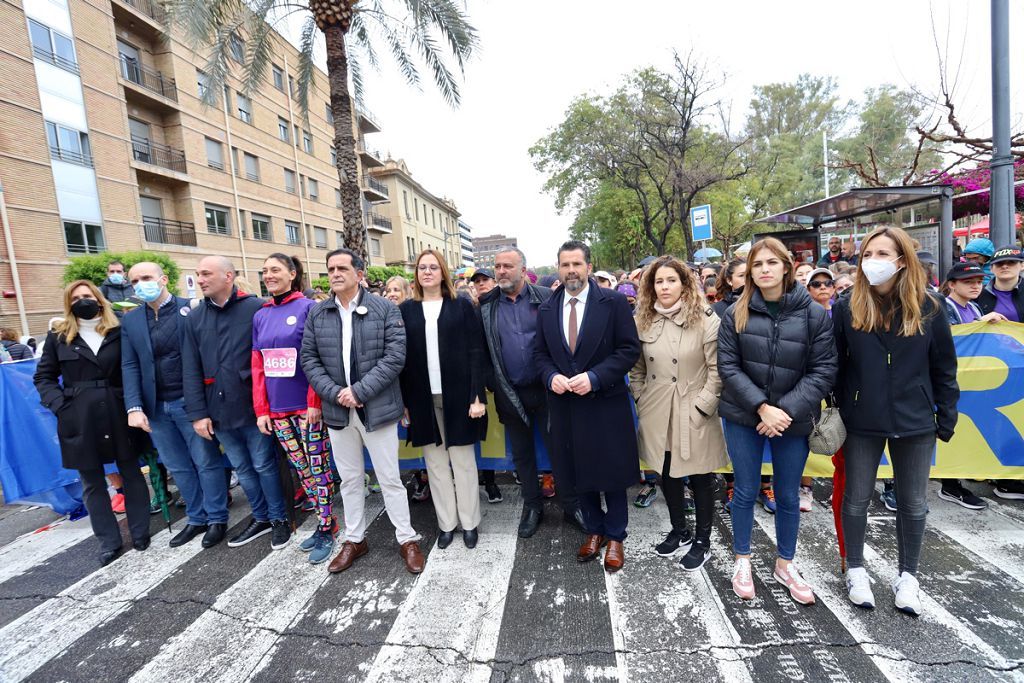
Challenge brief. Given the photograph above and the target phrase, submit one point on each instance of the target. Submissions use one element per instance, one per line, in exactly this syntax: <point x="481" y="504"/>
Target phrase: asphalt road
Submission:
<point x="510" y="610"/>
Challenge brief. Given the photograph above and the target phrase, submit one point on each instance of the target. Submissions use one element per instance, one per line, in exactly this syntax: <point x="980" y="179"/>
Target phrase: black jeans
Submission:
<point x="524" y="452"/>
<point x="703" y="486"/>
<point x="97" y="502"/>
<point x="911" y="459"/>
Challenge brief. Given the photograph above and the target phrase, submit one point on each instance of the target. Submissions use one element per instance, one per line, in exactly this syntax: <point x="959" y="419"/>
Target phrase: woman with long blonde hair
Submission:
<point x="676" y="387"/>
<point x="79" y="380"/>
<point x="776" y="357"/>
<point x="897" y="387"/>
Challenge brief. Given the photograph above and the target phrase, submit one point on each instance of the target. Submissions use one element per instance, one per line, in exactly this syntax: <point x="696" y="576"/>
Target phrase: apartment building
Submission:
<point x="485" y="248"/>
<point x="466" y="243"/>
<point x="105" y="145"/>
<point x="412" y="220"/>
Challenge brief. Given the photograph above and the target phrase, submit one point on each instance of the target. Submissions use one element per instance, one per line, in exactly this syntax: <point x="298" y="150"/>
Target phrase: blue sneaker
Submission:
<point x="648" y="494"/>
<point x="323" y="548"/>
<point x="766" y="497"/>
<point x="310" y="543"/>
<point x="889" y="499"/>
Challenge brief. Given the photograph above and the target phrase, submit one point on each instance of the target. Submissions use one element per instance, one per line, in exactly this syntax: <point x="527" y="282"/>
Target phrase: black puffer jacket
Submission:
<point x="895" y="386"/>
<point x="720" y="307"/>
<point x="788" y="362"/>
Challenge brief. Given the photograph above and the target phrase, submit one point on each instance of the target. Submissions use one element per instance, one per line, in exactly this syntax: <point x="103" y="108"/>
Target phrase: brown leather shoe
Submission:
<point x="614" y="557"/>
<point x="349" y="552"/>
<point x="413" y="557"/>
<point x="590" y="548"/>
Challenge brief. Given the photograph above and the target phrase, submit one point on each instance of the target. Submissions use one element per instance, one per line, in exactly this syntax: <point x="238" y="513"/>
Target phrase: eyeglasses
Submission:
<point x="818" y="284"/>
<point x="424" y="267"/>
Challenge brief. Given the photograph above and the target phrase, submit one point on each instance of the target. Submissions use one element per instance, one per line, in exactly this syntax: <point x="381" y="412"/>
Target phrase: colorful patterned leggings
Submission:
<point x="309" y="452"/>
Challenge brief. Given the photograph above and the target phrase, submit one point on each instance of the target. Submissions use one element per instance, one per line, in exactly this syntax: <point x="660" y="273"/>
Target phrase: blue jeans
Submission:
<point x="789" y="455"/>
<point x="252" y="454"/>
<point x="198" y="471"/>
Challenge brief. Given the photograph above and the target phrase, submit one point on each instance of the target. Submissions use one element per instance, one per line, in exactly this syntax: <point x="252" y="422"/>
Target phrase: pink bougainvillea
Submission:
<point x="977" y="179"/>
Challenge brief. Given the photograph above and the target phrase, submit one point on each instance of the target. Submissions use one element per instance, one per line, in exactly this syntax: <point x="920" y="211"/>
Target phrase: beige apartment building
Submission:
<point x="485" y="248"/>
<point x="412" y="220"/>
<point x="105" y="144"/>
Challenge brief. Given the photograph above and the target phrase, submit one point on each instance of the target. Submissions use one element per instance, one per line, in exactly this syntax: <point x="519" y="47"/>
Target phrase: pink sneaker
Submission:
<point x="798" y="588"/>
<point x="742" y="579"/>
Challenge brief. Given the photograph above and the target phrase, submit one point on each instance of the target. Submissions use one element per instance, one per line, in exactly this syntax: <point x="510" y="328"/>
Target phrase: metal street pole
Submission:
<point x="1001" y="210"/>
<point x="824" y="155"/>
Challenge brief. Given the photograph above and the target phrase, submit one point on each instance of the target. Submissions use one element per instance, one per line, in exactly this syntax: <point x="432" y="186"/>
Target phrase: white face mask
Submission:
<point x="878" y="271"/>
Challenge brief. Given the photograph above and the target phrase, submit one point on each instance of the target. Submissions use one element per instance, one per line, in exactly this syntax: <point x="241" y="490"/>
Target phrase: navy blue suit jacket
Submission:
<point x="137" y="365"/>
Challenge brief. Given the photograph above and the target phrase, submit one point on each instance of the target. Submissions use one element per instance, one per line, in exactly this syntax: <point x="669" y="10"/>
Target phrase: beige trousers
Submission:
<point x="456" y="499"/>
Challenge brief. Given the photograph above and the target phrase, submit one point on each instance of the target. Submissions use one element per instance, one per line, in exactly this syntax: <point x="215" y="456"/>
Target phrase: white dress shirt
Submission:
<point x="581" y="305"/>
<point x="431" y="312"/>
<point x="346" y="333"/>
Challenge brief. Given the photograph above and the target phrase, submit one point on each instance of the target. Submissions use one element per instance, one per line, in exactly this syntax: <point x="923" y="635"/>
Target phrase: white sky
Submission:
<point x="537" y="55"/>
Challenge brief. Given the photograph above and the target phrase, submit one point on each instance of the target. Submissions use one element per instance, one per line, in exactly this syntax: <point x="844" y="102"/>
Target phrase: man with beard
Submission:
<point x="834" y="253"/>
<point x="509" y="315"/>
<point x="586" y="343"/>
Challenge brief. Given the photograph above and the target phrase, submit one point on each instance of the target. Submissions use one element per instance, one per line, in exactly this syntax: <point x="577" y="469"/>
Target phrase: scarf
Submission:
<point x="671" y="311"/>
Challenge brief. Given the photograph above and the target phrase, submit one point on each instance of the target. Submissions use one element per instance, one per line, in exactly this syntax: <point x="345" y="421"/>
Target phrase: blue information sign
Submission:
<point x="700" y="222"/>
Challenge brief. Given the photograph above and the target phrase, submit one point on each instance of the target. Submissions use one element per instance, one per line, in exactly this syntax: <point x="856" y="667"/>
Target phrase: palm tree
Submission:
<point x="410" y="30"/>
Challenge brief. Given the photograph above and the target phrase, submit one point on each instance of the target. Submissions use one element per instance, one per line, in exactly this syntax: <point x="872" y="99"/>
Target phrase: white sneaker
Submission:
<point x="858" y="584"/>
<point x="806" y="499"/>
<point x="907" y="590"/>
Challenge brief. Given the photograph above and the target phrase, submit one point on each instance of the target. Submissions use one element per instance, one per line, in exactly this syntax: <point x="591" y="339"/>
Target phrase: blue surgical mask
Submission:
<point x="148" y="290"/>
<point x="116" y="278"/>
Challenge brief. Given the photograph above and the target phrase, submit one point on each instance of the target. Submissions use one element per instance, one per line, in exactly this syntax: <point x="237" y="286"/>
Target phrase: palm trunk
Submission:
<point x="344" y="140"/>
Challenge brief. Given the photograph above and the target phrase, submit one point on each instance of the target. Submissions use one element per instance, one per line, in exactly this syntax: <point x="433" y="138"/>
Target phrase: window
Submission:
<point x="291" y="86"/>
<point x="411" y="244"/>
<point x="337" y="198"/>
<point x="416" y="207"/>
<point x="433" y="218"/>
<point x="83" y="238"/>
<point x="261" y="228"/>
<point x="292" y="232"/>
<point x="328" y="113"/>
<point x="236" y="168"/>
<point x="217" y="220"/>
<point x="302" y="185"/>
<point x="214" y="154"/>
<point x="282" y="129"/>
<point x="278" y="77"/>
<point x="339" y="239"/>
<point x="202" y="83"/>
<point x="252" y="167"/>
<point x="289" y="180"/>
<point x="320" y="238"/>
<point x="405" y="203"/>
<point x="67" y="144"/>
<point x="237" y="48"/>
<point x="227" y="98"/>
<point x="314" y="189"/>
<point x="52" y="47"/>
<point x="334" y="157"/>
<point x="244" y="108"/>
<point x="374" y="246"/>
<point x="307" y="141"/>
<point x="297" y="136"/>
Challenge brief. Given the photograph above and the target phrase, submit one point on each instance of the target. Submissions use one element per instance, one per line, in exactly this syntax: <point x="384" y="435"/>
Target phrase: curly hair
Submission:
<point x="693" y="300"/>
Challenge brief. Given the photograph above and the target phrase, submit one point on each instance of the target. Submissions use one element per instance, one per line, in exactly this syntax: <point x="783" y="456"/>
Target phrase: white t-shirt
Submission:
<point x="431" y="312"/>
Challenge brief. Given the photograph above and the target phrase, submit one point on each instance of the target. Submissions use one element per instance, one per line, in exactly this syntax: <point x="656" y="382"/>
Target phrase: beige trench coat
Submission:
<point x="678" y="373"/>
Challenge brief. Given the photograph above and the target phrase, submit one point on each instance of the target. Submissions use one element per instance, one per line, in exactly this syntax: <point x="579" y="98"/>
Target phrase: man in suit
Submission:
<point x="586" y="344"/>
<point x="154" y="398"/>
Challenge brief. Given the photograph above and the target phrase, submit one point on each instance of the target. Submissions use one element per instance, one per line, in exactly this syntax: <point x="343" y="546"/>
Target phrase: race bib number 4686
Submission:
<point x="279" y="362"/>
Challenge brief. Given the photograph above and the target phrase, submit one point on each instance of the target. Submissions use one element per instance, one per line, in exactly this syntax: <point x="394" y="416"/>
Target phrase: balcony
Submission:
<point x="371" y="158"/>
<point x="149" y="8"/>
<point x="379" y="222"/>
<point x="149" y="152"/>
<point x="149" y="82"/>
<point x="55" y="59"/>
<point x="367" y="121"/>
<point x="163" y="231"/>
<point x="374" y="190"/>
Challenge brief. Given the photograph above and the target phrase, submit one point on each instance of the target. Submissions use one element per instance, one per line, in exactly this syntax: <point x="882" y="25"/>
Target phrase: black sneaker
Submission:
<point x="281" y="532"/>
<point x="674" y="542"/>
<point x="251" y="533"/>
<point x="493" y="493"/>
<point x="962" y="497"/>
<point x="698" y="554"/>
<point x="1010" y="489"/>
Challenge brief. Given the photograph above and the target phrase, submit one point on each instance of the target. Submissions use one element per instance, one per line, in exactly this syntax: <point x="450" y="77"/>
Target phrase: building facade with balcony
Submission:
<point x="108" y="146"/>
<point x="485" y="248"/>
<point x="413" y="219"/>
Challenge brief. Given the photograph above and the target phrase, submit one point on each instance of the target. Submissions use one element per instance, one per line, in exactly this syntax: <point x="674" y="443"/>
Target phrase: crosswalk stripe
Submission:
<point x="36" y="547"/>
<point x="31" y="640"/>
<point x="450" y="628"/>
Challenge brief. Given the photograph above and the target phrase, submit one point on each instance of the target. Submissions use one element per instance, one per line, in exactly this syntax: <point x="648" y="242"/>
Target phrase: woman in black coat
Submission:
<point x="443" y="388"/>
<point x="79" y="380"/>
<point x="896" y="387"/>
<point x="777" y="361"/>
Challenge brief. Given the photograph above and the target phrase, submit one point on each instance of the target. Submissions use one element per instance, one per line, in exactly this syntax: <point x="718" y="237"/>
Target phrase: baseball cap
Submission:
<point x="605" y="275"/>
<point x="482" y="272"/>
<point x="964" y="271"/>
<point x="1009" y="253"/>
<point x="926" y="257"/>
<point x="821" y="271"/>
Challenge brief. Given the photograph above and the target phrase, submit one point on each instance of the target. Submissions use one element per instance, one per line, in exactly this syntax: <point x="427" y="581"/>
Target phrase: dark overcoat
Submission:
<point x="85" y="392"/>
<point x="464" y="370"/>
<point x="593" y="435"/>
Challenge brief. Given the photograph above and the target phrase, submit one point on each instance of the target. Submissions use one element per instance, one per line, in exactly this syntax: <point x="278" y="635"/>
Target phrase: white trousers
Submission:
<point x="382" y="443"/>
<point x="456" y="499"/>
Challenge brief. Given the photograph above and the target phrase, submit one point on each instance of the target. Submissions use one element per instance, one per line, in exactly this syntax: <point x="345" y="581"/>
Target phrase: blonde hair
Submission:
<point x="68" y="328"/>
<point x="447" y="288"/>
<point x="741" y="310"/>
<point x="405" y="286"/>
<point x="693" y="301"/>
<point x="874" y="312"/>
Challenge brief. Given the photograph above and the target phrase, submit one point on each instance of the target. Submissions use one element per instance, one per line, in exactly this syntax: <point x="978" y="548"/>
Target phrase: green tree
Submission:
<point x="410" y="31"/>
<point x="612" y="223"/>
<point x="93" y="267"/>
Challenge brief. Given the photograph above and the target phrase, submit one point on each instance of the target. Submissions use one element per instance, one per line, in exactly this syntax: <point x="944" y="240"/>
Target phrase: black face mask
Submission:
<point x="86" y="309"/>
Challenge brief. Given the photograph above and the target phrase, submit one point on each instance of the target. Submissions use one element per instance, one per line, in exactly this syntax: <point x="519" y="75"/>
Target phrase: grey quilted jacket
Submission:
<point x="378" y="351"/>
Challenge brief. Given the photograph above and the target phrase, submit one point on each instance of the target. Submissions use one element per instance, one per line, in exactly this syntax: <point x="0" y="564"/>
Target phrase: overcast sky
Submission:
<point x="537" y="55"/>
